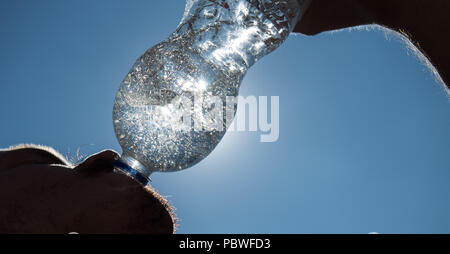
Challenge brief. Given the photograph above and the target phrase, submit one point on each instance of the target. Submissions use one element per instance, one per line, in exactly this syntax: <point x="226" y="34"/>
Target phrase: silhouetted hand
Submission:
<point x="425" y="23"/>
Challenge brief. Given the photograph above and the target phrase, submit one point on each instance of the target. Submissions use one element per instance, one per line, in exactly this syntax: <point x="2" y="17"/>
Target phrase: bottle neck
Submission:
<point x="233" y="35"/>
<point x="133" y="168"/>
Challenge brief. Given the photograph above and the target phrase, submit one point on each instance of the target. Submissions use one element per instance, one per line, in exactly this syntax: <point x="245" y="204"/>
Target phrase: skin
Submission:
<point x="39" y="193"/>
<point x="425" y="23"/>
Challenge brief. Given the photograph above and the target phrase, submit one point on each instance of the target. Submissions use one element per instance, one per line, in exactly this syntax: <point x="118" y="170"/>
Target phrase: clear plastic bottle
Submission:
<point x="206" y="58"/>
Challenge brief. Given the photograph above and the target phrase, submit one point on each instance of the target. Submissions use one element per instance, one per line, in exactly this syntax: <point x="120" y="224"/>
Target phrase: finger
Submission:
<point x="327" y="15"/>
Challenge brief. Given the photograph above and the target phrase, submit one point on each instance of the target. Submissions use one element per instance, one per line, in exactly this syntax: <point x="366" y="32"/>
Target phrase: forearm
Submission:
<point x="425" y="23"/>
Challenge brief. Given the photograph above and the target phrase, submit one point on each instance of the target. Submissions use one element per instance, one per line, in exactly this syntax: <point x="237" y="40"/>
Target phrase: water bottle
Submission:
<point x="169" y="110"/>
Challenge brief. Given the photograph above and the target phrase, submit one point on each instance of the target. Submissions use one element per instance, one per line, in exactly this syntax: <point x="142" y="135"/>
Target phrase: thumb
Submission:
<point x="327" y="15"/>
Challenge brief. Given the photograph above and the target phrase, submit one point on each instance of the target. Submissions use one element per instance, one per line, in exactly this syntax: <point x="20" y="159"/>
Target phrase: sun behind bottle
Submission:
<point x="204" y="60"/>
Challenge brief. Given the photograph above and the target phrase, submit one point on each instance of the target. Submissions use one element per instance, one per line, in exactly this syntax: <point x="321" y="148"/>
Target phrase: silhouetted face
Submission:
<point x="41" y="193"/>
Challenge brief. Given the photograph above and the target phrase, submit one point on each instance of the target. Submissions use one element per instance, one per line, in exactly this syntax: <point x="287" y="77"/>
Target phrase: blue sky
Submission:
<point x="364" y="138"/>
